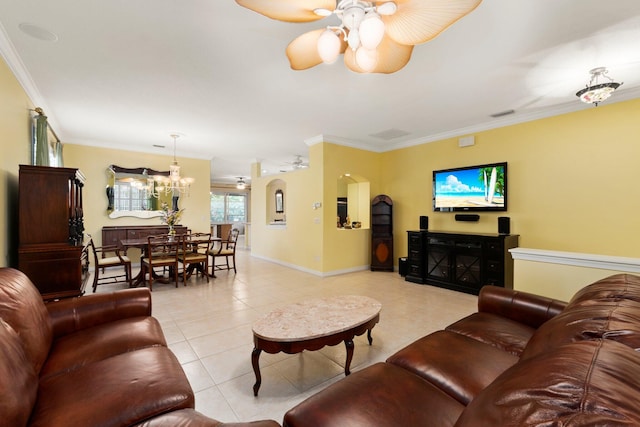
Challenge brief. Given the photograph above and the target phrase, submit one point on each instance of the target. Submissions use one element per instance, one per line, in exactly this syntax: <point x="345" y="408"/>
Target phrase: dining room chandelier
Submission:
<point x="373" y="36"/>
<point x="173" y="184"/>
<point x="595" y="92"/>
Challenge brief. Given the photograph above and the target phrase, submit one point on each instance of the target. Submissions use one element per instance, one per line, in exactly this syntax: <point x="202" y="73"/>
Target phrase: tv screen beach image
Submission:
<point x="470" y="188"/>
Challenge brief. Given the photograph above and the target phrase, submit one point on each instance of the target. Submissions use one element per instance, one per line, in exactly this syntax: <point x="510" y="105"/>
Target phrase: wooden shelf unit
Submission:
<point x="51" y="230"/>
<point x="382" y="233"/>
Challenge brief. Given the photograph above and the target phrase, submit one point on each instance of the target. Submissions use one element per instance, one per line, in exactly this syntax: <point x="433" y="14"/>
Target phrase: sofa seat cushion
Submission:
<point x="118" y="391"/>
<point x="192" y="418"/>
<point x="593" y="383"/>
<point x="617" y="320"/>
<point x="18" y="380"/>
<point x="495" y="330"/>
<point x="101" y="342"/>
<point x="379" y="395"/>
<point x="459" y="365"/>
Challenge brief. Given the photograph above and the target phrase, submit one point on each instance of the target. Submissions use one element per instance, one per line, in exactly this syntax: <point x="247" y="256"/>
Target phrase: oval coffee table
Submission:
<point x="313" y="324"/>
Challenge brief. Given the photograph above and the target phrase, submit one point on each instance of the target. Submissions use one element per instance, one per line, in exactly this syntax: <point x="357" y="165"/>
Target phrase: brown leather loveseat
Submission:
<point x="97" y="360"/>
<point x="521" y="360"/>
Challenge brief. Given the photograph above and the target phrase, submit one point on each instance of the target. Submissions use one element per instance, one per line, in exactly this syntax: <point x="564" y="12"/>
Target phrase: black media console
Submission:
<point x="460" y="261"/>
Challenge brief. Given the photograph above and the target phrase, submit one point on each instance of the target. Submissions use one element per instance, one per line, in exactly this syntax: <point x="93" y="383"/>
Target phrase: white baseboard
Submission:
<point x="310" y="271"/>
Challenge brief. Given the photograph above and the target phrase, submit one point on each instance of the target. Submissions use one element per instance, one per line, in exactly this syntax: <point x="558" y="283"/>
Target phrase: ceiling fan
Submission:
<point x="374" y="36"/>
<point x="297" y="163"/>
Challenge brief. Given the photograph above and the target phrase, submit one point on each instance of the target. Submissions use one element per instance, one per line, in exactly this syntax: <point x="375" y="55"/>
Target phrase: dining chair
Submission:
<point x="162" y="251"/>
<point x="109" y="258"/>
<point x="226" y="249"/>
<point x="195" y="254"/>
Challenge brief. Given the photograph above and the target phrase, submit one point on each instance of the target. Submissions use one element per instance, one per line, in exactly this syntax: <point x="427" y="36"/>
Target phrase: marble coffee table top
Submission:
<point x="316" y="318"/>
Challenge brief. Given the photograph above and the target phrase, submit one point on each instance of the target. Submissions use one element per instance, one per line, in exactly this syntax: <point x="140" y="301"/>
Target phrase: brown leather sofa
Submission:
<point x="97" y="360"/>
<point x="521" y="360"/>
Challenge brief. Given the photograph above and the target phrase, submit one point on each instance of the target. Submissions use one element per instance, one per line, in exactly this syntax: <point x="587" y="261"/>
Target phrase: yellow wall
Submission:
<point x="15" y="146"/>
<point x="311" y="241"/>
<point x="572" y="181"/>
<point x="299" y="242"/>
<point x="94" y="161"/>
<point x="556" y="280"/>
<point x="572" y="187"/>
<point x="346" y="250"/>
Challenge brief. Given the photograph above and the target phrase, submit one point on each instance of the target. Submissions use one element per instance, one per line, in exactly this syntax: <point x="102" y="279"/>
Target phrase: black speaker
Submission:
<point x="504" y="225"/>
<point x="424" y="222"/>
<point x="467" y="217"/>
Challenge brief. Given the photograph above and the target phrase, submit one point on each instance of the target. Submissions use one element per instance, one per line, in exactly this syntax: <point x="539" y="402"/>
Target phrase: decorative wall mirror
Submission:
<point x="129" y="193"/>
<point x="279" y="201"/>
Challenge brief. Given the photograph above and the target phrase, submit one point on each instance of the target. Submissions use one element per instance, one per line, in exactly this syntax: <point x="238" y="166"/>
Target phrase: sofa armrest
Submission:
<point x="73" y="314"/>
<point x="528" y="309"/>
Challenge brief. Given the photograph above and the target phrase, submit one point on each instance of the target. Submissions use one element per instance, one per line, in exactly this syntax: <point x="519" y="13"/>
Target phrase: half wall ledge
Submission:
<point x="604" y="262"/>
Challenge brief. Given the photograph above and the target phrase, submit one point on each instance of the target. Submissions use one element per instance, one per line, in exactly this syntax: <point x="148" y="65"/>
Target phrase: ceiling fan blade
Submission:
<point x="418" y="21"/>
<point x="303" y="51"/>
<point x="289" y="10"/>
<point x="392" y="57"/>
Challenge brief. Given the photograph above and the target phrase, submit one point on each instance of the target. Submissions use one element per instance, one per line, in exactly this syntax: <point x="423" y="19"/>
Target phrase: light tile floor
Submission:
<point x="208" y="327"/>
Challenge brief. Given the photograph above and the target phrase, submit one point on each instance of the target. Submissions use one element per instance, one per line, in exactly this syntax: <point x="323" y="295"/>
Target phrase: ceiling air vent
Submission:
<point x="390" y="134"/>
<point x="503" y="113"/>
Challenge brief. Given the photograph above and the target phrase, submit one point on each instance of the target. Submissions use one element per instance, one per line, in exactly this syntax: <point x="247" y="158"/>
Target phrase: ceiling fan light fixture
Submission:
<point x="241" y="185"/>
<point x="388" y="8"/>
<point x="322" y="11"/>
<point x="353" y="16"/>
<point x="595" y="92"/>
<point x="329" y="46"/>
<point x="393" y="27"/>
<point x="371" y="30"/>
<point x="367" y="59"/>
<point x="353" y="39"/>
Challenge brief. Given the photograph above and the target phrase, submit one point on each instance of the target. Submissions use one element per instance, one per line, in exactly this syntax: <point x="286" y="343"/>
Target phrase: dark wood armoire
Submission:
<point x="51" y="229"/>
<point x="382" y="233"/>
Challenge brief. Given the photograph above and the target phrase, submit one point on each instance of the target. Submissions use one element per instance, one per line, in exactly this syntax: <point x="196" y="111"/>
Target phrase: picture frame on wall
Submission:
<point x="279" y="201"/>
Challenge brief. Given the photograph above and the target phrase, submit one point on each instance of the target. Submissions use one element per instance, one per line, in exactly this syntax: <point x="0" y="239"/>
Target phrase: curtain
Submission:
<point x="40" y="142"/>
<point x="57" y="155"/>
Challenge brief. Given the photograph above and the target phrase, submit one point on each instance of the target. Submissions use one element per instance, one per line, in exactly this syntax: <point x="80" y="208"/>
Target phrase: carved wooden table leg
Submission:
<point x="369" y="337"/>
<point x="255" y="355"/>
<point x="349" y="344"/>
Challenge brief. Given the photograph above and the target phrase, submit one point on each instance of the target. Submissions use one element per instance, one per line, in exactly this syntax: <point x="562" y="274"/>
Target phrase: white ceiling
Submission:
<point x="126" y="74"/>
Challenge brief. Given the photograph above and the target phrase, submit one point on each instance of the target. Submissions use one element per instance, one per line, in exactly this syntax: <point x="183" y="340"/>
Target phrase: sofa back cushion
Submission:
<point x="583" y="383"/>
<point x="612" y="288"/>
<point x="618" y="321"/>
<point x="608" y="308"/>
<point x="21" y="306"/>
<point x="18" y="380"/>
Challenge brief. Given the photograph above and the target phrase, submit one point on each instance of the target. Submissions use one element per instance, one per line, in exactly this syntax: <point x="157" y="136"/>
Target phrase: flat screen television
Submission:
<point x="471" y="188"/>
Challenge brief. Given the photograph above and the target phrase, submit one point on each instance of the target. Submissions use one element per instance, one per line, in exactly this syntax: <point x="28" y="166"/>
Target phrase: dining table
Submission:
<point x="141" y="243"/>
